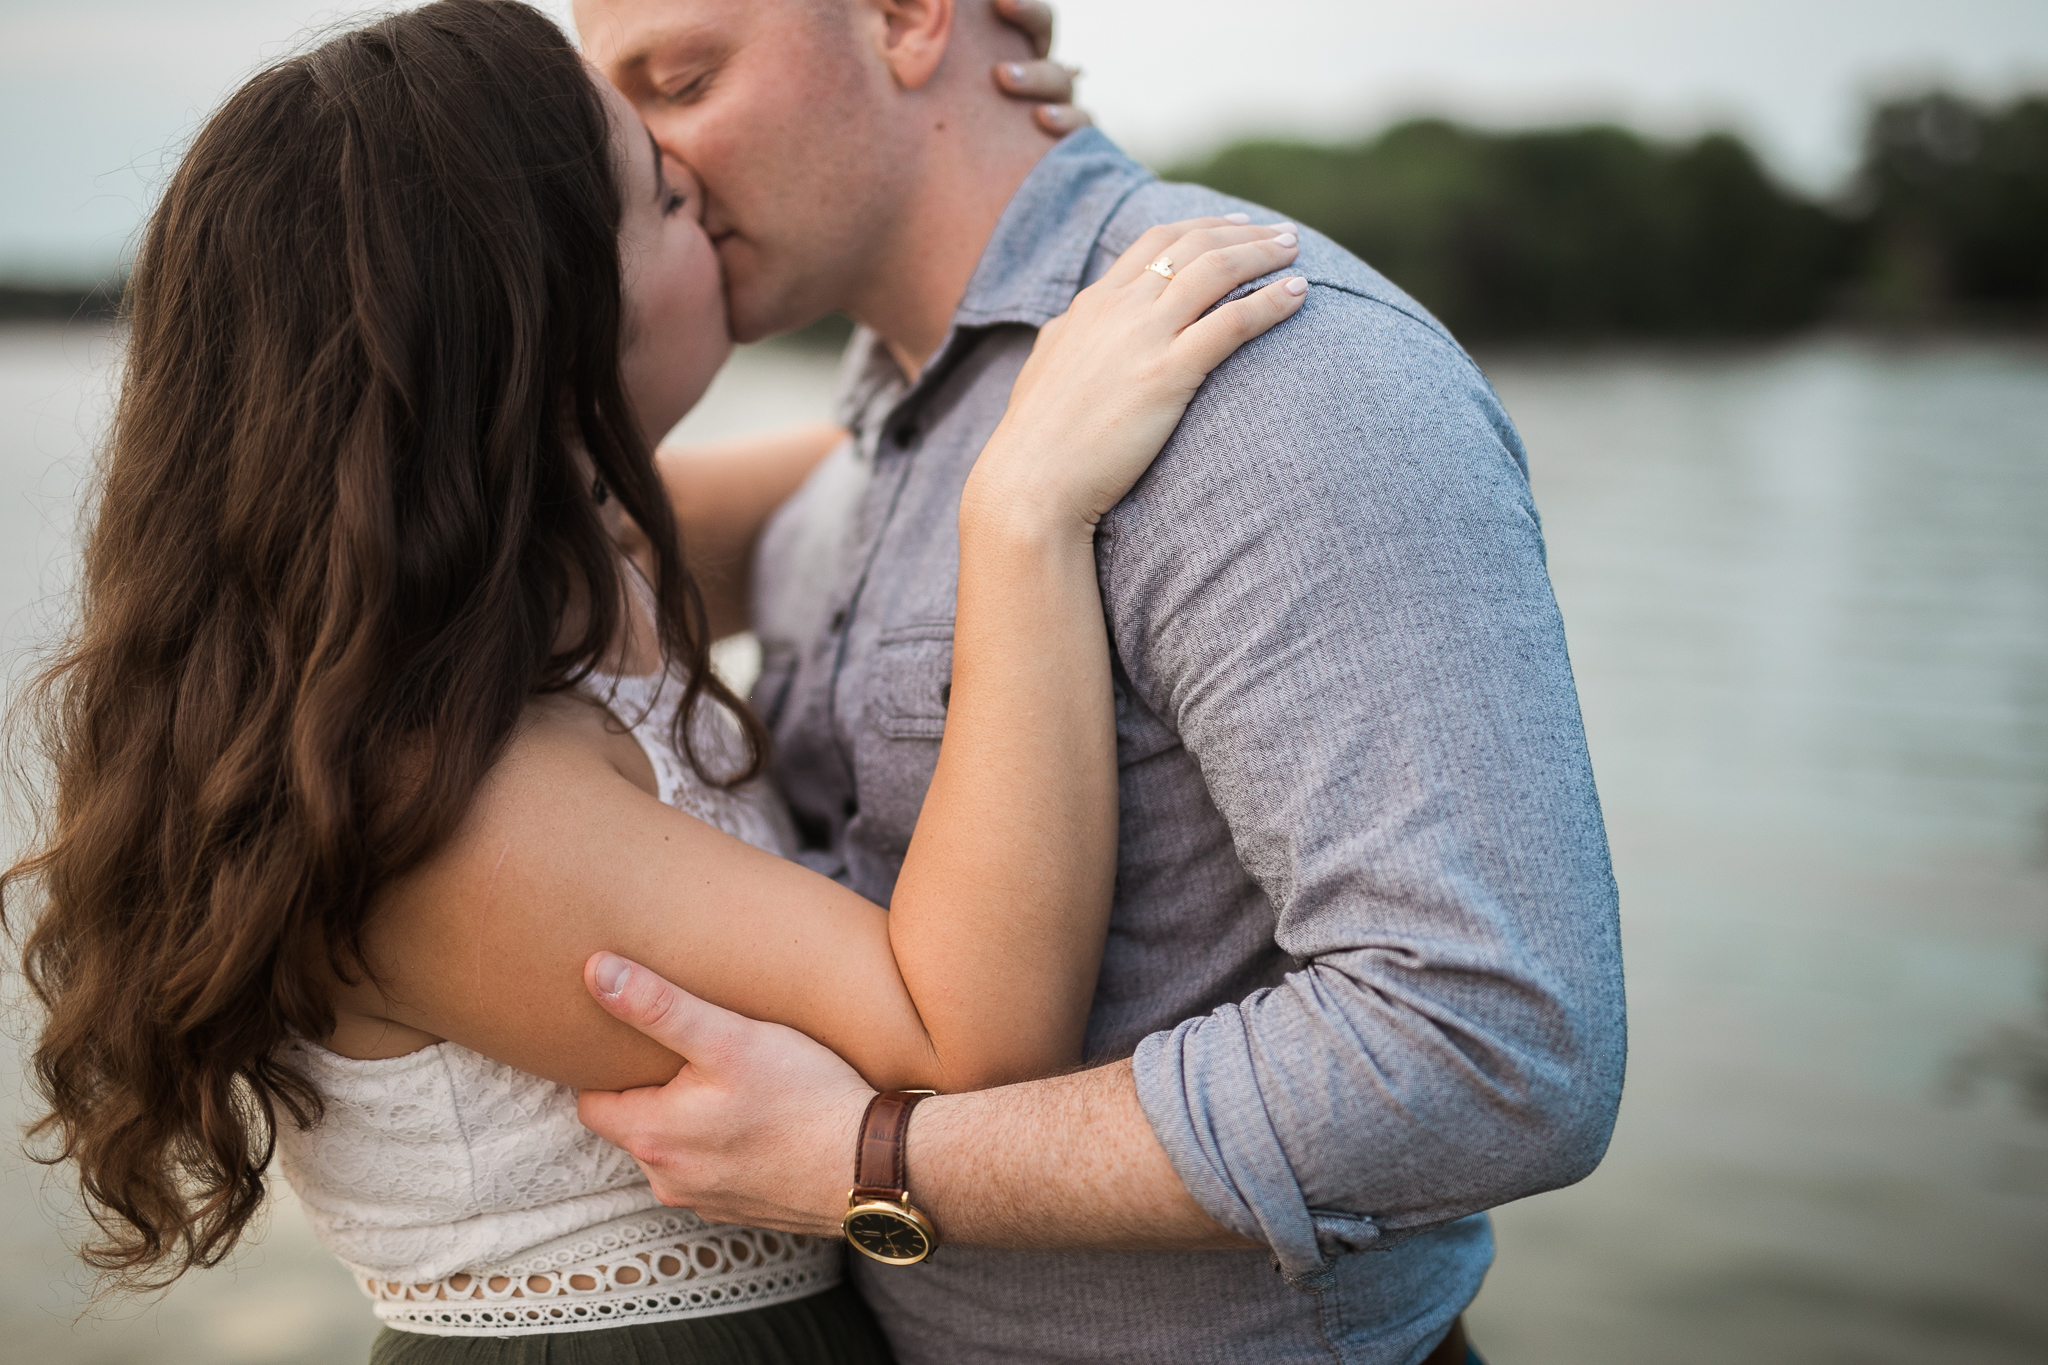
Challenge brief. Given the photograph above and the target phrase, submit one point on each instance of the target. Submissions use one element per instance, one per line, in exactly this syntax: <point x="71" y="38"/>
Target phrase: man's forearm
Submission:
<point x="1065" y="1163"/>
<point x="759" y="1128"/>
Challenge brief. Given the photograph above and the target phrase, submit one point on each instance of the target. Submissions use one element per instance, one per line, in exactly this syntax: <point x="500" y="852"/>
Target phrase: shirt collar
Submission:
<point x="1035" y="260"/>
<point x="1034" y="264"/>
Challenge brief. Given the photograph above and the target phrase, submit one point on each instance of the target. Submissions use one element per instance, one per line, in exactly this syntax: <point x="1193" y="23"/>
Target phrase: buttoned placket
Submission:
<point x="888" y="445"/>
<point x="1027" y="276"/>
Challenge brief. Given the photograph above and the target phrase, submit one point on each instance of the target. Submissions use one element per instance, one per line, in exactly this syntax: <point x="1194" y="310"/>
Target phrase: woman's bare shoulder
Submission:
<point x="566" y="732"/>
<point x="567" y="752"/>
<point x="561" y="855"/>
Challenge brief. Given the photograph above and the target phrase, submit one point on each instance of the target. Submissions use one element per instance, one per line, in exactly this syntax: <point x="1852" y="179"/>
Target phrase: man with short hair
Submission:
<point x="1363" y="971"/>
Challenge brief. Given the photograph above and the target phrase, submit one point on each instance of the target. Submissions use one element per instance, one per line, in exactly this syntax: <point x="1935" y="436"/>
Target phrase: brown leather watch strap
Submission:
<point x="878" y="1162"/>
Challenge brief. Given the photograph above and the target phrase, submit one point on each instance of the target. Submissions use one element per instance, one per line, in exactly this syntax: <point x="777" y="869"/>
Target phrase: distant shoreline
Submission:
<point x="76" y="303"/>
<point x="79" y="311"/>
<point x="1586" y="236"/>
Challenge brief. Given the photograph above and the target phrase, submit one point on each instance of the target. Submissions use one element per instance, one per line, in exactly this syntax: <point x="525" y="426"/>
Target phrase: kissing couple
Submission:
<point x="1153" y="903"/>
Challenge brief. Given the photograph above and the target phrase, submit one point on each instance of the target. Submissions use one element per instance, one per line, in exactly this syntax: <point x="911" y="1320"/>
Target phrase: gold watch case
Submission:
<point x="888" y="1231"/>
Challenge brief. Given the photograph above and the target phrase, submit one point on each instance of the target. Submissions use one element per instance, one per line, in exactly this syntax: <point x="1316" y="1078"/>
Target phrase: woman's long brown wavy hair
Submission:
<point x="339" y="521"/>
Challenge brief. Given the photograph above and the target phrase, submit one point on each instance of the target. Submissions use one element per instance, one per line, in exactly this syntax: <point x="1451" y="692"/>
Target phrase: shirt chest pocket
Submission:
<point x="913" y="680"/>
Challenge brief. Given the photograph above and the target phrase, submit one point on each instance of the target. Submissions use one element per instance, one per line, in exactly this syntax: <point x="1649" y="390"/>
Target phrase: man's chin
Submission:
<point x="756" y="309"/>
<point x="745" y="331"/>
<point x="758" y="324"/>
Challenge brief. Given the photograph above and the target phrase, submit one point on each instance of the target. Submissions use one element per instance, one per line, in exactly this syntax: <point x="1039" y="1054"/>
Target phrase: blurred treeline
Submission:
<point x="1601" y="232"/>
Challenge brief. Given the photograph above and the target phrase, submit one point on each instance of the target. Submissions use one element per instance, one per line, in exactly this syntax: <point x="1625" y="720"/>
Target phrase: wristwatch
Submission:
<point x="880" y="1222"/>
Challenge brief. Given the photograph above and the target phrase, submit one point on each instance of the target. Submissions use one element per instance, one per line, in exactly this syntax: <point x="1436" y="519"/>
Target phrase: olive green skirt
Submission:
<point x="832" y="1328"/>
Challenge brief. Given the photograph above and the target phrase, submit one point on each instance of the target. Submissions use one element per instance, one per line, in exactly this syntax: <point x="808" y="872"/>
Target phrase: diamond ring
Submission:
<point x="1162" y="268"/>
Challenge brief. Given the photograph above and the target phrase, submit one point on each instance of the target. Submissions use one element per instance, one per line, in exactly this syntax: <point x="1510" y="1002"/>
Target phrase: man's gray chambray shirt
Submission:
<point x="1365" y="943"/>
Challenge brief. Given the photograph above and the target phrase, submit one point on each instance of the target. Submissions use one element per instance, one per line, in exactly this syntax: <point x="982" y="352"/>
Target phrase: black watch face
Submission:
<point x="887" y="1236"/>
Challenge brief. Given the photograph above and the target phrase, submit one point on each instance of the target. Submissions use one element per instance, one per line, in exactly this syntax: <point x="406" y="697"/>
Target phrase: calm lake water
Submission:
<point x="1807" y="596"/>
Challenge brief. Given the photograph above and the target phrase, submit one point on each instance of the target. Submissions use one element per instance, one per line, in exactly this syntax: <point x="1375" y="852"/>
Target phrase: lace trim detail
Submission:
<point x="646" y="1269"/>
<point x="646" y="706"/>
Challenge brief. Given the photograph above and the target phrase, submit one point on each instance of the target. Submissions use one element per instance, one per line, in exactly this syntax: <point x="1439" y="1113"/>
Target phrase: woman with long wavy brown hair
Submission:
<point x="371" y="730"/>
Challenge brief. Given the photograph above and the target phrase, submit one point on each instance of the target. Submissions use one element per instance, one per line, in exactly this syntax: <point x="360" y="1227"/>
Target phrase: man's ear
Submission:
<point x="913" y="37"/>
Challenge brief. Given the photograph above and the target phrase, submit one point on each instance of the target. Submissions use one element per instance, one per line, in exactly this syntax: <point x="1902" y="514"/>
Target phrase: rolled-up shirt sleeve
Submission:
<point x="1332" y="588"/>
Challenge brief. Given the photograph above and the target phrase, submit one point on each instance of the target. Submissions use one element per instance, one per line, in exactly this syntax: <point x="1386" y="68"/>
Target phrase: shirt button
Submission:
<point x="839" y="620"/>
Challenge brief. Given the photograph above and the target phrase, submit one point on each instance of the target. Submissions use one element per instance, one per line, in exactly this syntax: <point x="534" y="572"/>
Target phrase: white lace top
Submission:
<point x="467" y="1198"/>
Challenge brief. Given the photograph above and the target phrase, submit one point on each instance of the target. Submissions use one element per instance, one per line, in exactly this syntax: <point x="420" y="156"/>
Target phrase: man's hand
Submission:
<point x="1043" y="79"/>
<point x="758" y="1127"/>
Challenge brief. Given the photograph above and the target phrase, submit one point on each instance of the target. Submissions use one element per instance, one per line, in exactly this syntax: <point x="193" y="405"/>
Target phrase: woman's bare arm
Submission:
<point x="983" y="970"/>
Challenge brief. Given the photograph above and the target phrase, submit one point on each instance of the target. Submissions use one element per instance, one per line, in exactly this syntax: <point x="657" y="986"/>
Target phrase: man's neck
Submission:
<point x="969" y="175"/>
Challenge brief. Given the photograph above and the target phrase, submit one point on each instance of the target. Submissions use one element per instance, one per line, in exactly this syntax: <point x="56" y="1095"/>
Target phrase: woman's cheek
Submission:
<point x="683" y="339"/>
<point x="702" y="304"/>
<point x="707" y="284"/>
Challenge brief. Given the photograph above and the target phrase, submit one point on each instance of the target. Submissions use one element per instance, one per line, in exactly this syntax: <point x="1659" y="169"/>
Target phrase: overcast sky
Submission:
<point x="97" y="95"/>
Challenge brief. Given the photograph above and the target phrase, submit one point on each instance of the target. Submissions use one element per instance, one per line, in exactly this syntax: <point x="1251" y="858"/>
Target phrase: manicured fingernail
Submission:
<point x="1237" y="217"/>
<point x="611" y="974"/>
<point x="1287" y="239"/>
<point x="1014" y="70"/>
<point x="1281" y="227"/>
<point x="1296" y="286"/>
